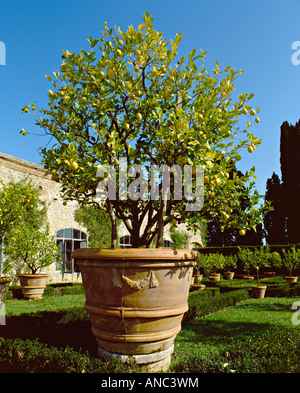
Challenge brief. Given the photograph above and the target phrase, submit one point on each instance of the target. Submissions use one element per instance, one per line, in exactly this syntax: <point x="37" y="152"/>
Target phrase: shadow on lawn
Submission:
<point x="59" y="329"/>
<point x="217" y="331"/>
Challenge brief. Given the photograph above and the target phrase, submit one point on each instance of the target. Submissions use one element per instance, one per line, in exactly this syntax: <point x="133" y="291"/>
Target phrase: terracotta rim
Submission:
<point x="258" y="287"/>
<point x="135" y="254"/>
<point x="33" y="275"/>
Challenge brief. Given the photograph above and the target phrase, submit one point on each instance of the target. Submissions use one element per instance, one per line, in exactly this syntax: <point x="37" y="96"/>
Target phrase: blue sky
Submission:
<point x="255" y="36"/>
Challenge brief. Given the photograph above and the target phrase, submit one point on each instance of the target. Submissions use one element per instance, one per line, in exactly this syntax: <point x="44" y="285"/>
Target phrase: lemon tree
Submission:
<point x="129" y="97"/>
<point x="18" y="203"/>
<point x="30" y="250"/>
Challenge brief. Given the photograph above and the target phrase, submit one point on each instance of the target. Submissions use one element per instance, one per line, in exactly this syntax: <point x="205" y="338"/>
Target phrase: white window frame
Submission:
<point x="125" y="245"/>
<point x="82" y="241"/>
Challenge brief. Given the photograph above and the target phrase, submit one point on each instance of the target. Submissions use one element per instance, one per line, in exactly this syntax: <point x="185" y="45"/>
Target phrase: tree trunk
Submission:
<point x="160" y="225"/>
<point x="257" y="275"/>
<point x="113" y="225"/>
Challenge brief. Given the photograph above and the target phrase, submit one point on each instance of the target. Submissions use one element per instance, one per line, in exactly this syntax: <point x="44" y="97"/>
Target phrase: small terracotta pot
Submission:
<point x="33" y="285"/>
<point x="228" y="275"/>
<point x="291" y="278"/>
<point x="214" y="277"/>
<point x="248" y="277"/>
<point x="259" y="291"/>
<point x="200" y="276"/>
<point x="198" y="287"/>
<point x="270" y="274"/>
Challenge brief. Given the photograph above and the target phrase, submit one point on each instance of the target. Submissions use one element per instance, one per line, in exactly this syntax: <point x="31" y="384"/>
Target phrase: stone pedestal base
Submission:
<point x="147" y="363"/>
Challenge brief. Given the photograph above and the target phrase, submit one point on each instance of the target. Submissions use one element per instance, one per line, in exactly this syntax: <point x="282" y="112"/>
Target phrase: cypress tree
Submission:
<point x="290" y="174"/>
<point x="275" y="220"/>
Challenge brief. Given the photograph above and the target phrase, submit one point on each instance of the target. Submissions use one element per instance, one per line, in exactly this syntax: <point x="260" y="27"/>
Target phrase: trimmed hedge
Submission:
<point x="15" y="291"/>
<point x="55" y="328"/>
<point x="200" y="305"/>
<point x="32" y="356"/>
<point x="283" y="290"/>
<point x="273" y="352"/>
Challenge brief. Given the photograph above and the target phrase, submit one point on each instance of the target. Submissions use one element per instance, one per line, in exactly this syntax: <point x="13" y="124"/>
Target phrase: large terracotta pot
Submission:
<point x="4" y="284"/>
<point x="33" y="285"/>
<point x="136" y="299"/>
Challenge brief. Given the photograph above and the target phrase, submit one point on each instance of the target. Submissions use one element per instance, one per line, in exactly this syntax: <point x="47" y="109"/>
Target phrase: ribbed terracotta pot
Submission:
<point x="136" y="299"/>
<point x="33" y="285"/>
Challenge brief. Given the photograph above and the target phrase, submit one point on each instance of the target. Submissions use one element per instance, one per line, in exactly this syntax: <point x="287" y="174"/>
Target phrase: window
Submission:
<point x="125" y="241"/>
<point x="68" y="240"/>
<point x="168" y="244"/>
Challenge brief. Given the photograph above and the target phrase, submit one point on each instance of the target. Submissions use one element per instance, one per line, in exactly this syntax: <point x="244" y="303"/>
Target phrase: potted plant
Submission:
<point x="230" y="262"/>
<point x="202" y="263"/>
<point x="126" y="117"/>
<point x="260" y="259"/>
<point x="215" y="262"/>
<point x="245" y="255"/>
<point x="273" y="261"/>
<point x="28" y="251"/>
<point x="291" y="261"/>
<point x="19" y="204"/>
